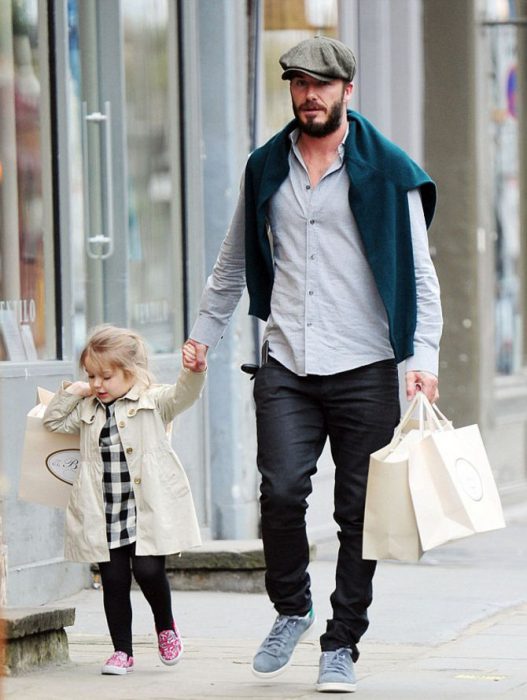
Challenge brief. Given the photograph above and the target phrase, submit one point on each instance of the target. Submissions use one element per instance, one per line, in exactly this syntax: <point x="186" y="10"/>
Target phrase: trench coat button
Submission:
<point x="129" y="450"/>
<point x="137" y="481"/>
<point x="122" y="423"/>
<point x="132" y="411"/>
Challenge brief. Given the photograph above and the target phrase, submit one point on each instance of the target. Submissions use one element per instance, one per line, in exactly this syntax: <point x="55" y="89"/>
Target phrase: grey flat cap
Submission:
<point x="322" y="58"/>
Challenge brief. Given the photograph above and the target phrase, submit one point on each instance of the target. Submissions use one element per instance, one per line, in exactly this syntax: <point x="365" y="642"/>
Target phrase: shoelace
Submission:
<point x="276" y="639"/>
<point x="338" y="662"/>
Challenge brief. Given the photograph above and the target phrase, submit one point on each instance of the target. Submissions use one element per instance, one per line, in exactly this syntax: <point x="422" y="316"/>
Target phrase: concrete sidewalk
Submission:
<point x="452" y="626"/>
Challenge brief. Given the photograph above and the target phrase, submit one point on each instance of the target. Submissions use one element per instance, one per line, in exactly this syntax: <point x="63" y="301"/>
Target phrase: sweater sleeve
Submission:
<point x="429" y="315"/>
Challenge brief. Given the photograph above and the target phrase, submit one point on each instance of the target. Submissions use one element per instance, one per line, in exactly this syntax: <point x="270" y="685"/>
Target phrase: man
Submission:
<point x="330" y="237"/>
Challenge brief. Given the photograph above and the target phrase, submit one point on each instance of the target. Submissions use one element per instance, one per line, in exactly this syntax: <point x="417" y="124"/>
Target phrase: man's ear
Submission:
<point x="347" y="92"/>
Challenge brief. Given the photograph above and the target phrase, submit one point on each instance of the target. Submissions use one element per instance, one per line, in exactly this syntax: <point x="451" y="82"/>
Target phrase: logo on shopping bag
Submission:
<point x="469" y="479"/>
<point x="64" y="464"/>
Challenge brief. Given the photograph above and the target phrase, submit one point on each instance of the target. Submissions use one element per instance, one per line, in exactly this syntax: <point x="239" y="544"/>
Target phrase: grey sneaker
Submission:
<point x="336" y="673"/>
<point x="276" y="650"/>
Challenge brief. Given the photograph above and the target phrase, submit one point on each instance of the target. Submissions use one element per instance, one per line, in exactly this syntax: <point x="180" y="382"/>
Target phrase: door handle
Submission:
<point x="99" y="246"/>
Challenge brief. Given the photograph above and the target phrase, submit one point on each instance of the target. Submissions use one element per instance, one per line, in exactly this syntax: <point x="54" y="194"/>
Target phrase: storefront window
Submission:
<point x="129" y="272"/>
<point x="26" y="246"/>
<point x="155" y="260"/>
<point x="75" y="193"/>
<point x="286" y="24"/>
<point x="502" y="35"/>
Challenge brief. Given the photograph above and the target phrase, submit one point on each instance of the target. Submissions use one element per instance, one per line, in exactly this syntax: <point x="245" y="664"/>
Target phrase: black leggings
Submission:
<point x="116" y="577"/>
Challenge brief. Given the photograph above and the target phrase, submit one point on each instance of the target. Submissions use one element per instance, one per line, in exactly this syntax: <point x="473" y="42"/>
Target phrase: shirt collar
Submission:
<point x="295" y="135"/>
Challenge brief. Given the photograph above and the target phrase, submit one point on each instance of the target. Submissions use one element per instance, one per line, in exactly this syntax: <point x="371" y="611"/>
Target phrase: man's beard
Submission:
<point x="311" y="128"/>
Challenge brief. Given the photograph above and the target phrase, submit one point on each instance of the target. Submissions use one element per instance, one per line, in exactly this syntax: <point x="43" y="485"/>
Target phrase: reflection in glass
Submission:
<point x="22" y="252"/>
<point x="503" y="124"/>
<point x="154" y="250"/>
<point x="152" y="289"/>
<point x="75" y="198"/>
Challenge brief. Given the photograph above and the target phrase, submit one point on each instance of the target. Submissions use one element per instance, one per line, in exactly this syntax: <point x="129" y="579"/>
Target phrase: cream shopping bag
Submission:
<point x="50" y="461"/>
<point x="390" y="526"/>
<point x="452" y="486"/>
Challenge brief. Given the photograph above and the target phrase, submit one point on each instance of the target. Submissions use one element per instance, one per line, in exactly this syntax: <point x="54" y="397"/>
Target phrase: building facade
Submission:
<point x="125" y="126"/>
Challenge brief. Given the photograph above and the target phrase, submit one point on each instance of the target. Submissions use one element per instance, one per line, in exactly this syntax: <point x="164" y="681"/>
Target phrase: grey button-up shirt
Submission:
<point x="326" y="312"/>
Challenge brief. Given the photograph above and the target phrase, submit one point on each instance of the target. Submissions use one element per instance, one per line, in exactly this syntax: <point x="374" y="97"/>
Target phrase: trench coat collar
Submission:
<point x="136" y="393"/>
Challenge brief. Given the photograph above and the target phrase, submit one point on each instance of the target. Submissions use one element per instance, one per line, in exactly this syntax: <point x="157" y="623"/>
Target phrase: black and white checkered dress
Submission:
<point x="117" y="484"/>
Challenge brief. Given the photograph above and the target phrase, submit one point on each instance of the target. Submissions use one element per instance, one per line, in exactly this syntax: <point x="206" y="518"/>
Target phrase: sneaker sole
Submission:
<point x="115" y="671"/>
<point x="336" y="687"/>
<point x="273" y="674"/>
<point x="173" y="662"/>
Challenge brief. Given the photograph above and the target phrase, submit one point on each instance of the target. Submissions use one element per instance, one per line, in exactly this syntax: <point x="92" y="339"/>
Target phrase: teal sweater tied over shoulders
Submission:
<point x="381" y="175"/>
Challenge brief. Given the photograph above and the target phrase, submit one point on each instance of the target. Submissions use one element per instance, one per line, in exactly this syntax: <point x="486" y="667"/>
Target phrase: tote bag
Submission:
<point x="50" y="461"/>
<point x="452" y="486"/>
<point x="390" y="525"/>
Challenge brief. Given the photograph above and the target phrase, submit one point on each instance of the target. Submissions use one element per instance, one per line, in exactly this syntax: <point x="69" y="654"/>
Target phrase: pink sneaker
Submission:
<point x="170" y="646"/>
<point x="118" y="664"/>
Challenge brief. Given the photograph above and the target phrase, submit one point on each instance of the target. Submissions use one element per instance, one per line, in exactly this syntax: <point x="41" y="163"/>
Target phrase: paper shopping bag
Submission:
<point x="50" y="461"/>
<point x="452" y="487"/>
<point x="390" y="527"/>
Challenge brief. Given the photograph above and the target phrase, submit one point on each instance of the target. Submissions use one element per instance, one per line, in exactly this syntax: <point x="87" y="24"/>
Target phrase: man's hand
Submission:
<point x="422" y="381"/>
<point x="194" y="355"/>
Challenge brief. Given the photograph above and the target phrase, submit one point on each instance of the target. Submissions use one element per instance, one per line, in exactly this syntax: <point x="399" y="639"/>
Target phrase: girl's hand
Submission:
<point x="79" y="389"/>
<point x="194" y="356"/>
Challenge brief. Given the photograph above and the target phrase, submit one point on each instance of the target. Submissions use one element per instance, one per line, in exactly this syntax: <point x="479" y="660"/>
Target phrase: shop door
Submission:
<point x="126" y="226"/>
<point x="125" y="190"/>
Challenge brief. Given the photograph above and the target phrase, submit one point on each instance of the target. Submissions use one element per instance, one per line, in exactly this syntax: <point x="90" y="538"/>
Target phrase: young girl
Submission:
<point x="131" y="502"/>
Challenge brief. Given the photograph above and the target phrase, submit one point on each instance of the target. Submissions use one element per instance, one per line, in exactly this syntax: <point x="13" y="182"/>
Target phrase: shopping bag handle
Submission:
<point x="441" y="416"/>
<point x="427" y="412"/>
<point x="433" y="410"/>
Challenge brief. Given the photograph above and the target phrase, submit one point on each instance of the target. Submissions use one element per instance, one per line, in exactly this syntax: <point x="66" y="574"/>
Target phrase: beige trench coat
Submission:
<point x="166" y="519"/>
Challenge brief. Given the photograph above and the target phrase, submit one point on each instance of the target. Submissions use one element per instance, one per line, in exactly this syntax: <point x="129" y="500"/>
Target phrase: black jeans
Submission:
<point x="116" y="578"/>
<point x="358" y="410"/>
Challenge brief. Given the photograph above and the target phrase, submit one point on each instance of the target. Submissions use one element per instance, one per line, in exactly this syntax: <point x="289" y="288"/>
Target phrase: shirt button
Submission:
<point x="312" y="257"/>
<point x="311" y="221"/>
<point x="137" y="481"/>
<point x="309" y="325"/>
<point x="310" y="293"/>
<point x="122" y="423"/>
<point x="308" y="187"/>
<point x="129" y="450"/>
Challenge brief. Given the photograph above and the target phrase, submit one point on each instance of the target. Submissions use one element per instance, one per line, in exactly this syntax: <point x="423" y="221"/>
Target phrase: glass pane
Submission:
<point x="155" y="268"/>
<point x="76" y="197"/>
<point x="503" y="128"/>
<point x="287" y="24"/>
<point x="26" y="257"/>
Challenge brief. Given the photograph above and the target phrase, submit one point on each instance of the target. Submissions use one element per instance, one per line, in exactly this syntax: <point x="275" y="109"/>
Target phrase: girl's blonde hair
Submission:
<point x="122" y="348"/>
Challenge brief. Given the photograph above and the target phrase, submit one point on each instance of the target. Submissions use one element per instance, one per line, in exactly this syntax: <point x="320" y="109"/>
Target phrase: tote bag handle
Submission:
<point x="429" y="417"/>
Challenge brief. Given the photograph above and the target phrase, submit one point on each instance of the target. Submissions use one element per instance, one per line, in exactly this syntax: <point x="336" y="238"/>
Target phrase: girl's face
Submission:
<point x="108" y="383"/>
